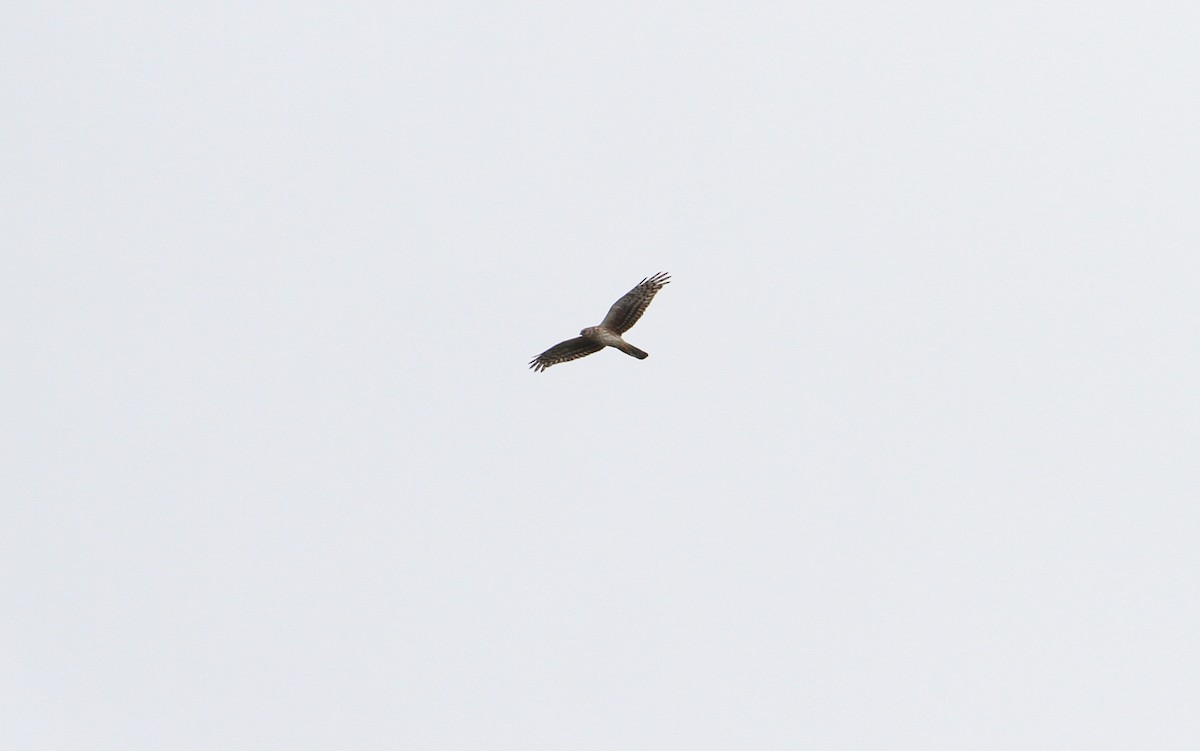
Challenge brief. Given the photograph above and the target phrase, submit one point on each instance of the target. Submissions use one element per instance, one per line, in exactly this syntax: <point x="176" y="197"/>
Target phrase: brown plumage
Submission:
<point x="621" y="317"/>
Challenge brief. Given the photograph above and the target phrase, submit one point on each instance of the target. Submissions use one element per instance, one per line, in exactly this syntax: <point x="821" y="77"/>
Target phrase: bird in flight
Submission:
<point x="621" y="317"/>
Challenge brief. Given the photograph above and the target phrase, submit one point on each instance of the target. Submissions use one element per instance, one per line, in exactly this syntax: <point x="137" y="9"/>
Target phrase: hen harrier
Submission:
<point x="621" y="317"/>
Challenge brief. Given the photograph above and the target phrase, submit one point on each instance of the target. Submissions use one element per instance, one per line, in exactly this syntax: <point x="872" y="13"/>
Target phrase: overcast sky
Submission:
<point x="913" y="463"/>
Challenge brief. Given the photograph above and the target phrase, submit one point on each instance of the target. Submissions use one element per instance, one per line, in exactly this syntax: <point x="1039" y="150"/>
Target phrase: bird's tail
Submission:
<point x="633" y="351"/>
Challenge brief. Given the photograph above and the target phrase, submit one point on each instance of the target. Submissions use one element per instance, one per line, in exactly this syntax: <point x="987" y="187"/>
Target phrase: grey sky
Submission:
<point x="912" y="463"/>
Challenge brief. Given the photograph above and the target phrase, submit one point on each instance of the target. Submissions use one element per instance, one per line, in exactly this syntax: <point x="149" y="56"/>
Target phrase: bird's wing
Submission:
<point x="626" y="311"/>
<point x="571" y="349"/>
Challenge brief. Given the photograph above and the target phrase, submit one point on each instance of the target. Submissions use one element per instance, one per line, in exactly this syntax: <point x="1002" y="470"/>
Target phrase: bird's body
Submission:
<point x="621" y="317"/>
<point x="604" y="336"/>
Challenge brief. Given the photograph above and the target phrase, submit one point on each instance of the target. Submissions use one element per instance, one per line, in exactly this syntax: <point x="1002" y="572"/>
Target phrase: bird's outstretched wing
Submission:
<point x="571" y="349"/>
<point x="626" y="311"/>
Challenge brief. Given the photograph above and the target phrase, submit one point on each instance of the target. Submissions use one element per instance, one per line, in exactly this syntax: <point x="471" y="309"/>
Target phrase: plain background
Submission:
<point x="912" y="463"/>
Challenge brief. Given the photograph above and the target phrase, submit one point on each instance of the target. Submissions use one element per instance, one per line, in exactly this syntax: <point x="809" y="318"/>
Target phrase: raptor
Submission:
<point x="621" y="317"/>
